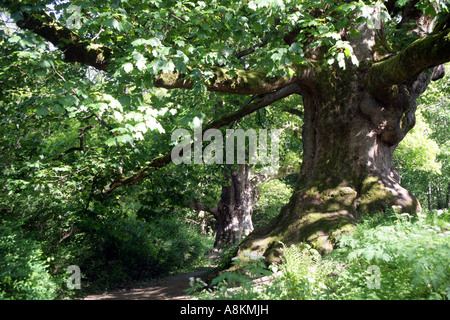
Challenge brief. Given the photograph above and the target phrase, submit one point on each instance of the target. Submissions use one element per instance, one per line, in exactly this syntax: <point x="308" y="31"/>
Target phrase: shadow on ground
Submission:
<point x="171" y="288"/>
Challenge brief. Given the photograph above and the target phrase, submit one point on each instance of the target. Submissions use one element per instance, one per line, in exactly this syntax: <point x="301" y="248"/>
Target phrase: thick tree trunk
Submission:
<point x="240" y="193"/>
<point x="235" y="208"/>
<point x="348" y="139"/>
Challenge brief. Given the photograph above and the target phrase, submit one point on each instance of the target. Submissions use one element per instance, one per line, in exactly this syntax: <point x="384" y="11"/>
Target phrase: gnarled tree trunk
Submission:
<point x="350" y="133"/>
<point x="239" y="195"/>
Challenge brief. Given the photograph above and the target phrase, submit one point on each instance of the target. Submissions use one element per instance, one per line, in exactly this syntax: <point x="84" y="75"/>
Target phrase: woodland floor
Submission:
<point x="169" y="288"/>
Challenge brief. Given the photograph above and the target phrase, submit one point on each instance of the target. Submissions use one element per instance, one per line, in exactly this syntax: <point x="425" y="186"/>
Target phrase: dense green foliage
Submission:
<point x="24" y="268"/>
<point x="68" y="130"/>
<point x="412" y="256"/>
<point x="274" y="195"/>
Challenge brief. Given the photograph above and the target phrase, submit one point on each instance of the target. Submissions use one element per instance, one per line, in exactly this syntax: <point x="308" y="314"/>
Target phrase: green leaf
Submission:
<point x="69" y="100"/>
<point x="111" y="141"/>
<point x="162" y="65"/>
<point x="58" y="109"/>
<point x="154" y="42"/>
<point x="141" y="61"/>
<point x="14" y="39"/>
<point x="42" y="111"/>
<point x="322" y="29"/>
<point x="126" y="138"/>
<point x="111" y="22"/>
<point x="341" y="59"/>
<point x="128" y="67"/>
<point x="296" y="48"/>
<point x="401" y="3"/>
<point x="222" y="9"/>
<point x="354" y="33"/>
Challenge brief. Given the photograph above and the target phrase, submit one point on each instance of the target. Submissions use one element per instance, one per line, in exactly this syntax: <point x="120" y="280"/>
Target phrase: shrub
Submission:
<point x="274" y="194"/>
<point x="303" y="273"/>
<point x="23" y="267"/>
<point x="301" y="276"/>
<point x="244" y="282"/>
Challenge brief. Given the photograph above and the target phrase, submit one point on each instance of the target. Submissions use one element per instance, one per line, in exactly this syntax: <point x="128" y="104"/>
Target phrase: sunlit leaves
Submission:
<point x="128" y="67"/>
<point x="163" y="66"/>
<point x="153" y="42"/>
<point x="111" y="22"/>
<point x="258" y="4"/>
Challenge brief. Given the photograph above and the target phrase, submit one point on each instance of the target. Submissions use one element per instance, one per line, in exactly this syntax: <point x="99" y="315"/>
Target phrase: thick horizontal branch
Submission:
<point x="75" y="48"/>
<point x="243" y="82"/>
<point x="281" y="173"/>
<point x="162" y="161"/>
<point x="423" y="53"/>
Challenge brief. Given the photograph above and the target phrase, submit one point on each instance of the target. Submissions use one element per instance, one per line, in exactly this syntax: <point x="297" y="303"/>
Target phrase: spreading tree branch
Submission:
<point x="252" y="106"/>
<point x="244" y="82"/>
<point x="81" y="137"/>
<point x="200" y="206"/>
<point x="77" y="49"/>
<point x="252" y="49"/>
<point x="424" y="53"/>
<point x="281" y="173"/>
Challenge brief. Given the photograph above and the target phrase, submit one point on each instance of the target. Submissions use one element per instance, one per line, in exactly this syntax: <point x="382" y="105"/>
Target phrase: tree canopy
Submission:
<point x="269" y="48"/>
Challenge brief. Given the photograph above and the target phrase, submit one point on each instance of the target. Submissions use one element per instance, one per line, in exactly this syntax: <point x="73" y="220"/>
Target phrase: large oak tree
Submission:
<point x="359" y="67"/>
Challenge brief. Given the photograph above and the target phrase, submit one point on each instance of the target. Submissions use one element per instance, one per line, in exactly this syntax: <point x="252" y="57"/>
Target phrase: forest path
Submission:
<point x="170" y="288"/>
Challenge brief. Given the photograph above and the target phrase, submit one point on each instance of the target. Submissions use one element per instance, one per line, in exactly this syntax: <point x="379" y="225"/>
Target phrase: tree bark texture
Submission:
<point x="349" y="135"/>
<point x="235" y="208"/>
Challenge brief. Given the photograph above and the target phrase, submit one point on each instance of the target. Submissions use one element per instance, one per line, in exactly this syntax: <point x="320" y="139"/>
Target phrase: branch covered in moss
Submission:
<point x="420" y="55"/>
<point x="75" y="48"/>
<point x="237" y="82"/>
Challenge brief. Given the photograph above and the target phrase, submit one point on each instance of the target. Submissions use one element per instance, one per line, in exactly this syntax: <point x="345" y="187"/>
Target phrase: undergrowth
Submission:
<point x="391" y="257"/>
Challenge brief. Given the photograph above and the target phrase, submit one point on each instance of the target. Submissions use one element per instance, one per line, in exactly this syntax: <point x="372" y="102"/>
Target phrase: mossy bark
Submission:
<point x="74" y="47"/>
<point x="349" y="137"/>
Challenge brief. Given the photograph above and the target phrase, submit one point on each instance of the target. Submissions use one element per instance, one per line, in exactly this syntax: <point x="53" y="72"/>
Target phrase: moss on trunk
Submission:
<point x="348" y="141"/>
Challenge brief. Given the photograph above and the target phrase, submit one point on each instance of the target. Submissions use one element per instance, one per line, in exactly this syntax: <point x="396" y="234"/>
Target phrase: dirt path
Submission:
<point x="171" y="288"/>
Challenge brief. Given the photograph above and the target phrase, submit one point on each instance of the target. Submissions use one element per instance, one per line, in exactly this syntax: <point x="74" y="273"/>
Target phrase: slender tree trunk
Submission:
<point x="440" y="200"/>
<point x="429" y="196"/>
<point x="448" y="196"/>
